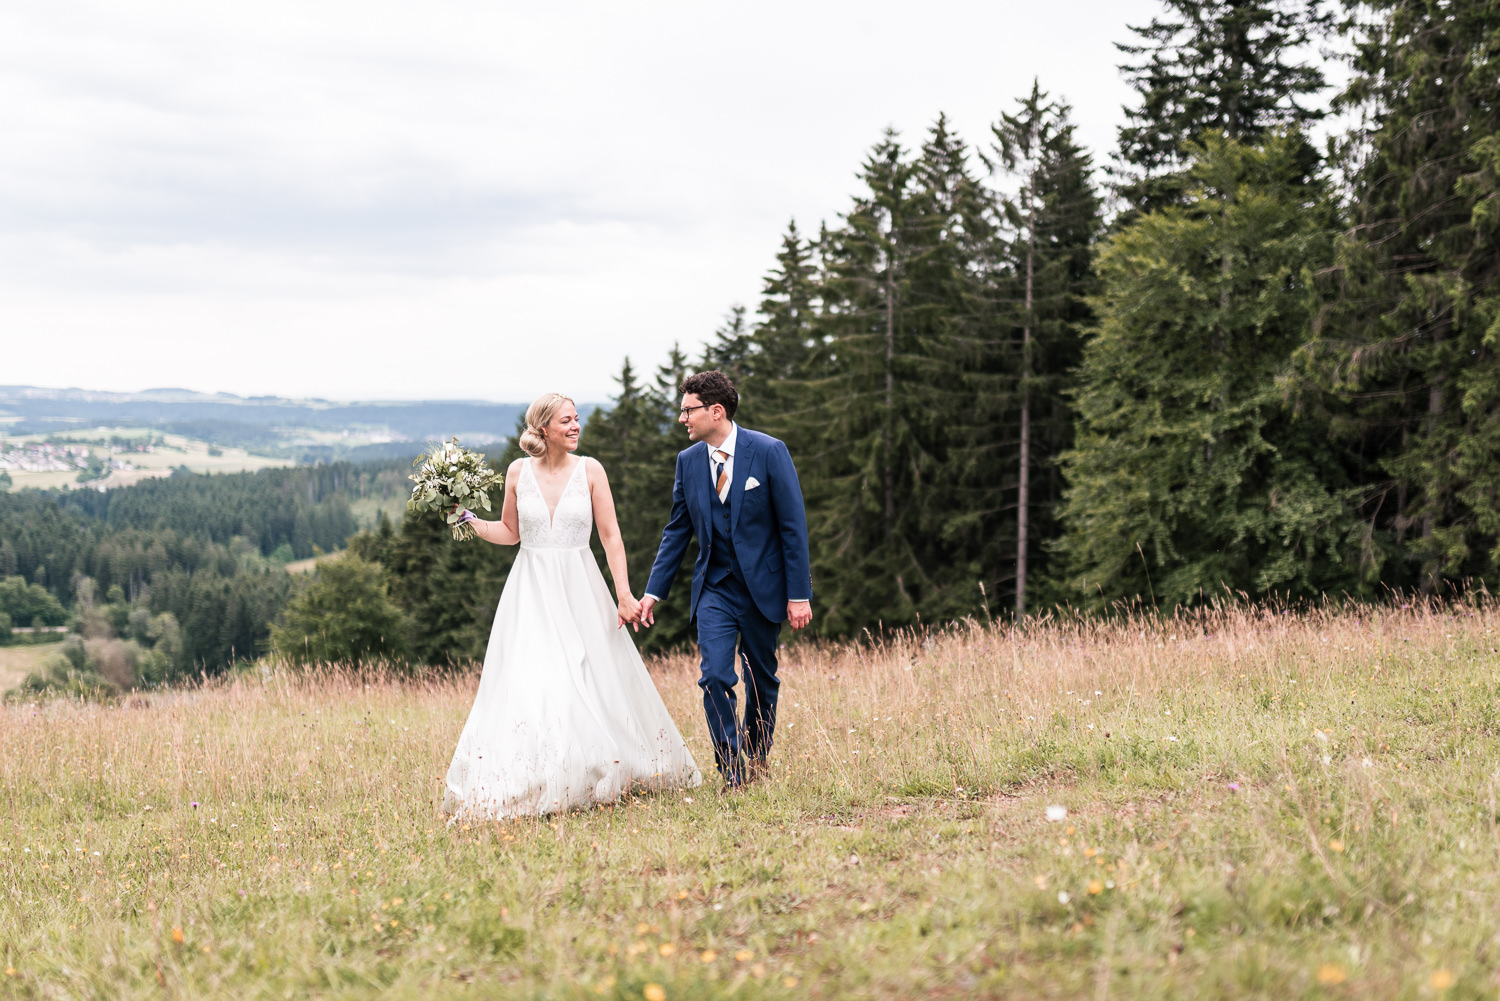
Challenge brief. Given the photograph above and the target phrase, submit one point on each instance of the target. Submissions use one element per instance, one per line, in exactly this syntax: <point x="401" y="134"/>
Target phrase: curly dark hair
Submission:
<point x="712" y="387"/>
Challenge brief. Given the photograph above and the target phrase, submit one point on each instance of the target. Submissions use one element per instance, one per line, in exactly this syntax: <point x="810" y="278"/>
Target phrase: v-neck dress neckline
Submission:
<point x="562" y="495"/>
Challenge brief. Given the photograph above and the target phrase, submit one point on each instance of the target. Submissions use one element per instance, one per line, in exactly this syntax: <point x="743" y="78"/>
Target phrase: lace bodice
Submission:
<point x="566" y="528"/>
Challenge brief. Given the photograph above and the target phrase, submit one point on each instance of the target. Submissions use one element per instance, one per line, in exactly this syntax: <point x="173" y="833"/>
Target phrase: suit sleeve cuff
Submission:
<point x="653" y="597"/>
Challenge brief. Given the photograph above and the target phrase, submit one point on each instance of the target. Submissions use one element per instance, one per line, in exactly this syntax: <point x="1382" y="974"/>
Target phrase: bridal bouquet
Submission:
<point x="450" y="475"/>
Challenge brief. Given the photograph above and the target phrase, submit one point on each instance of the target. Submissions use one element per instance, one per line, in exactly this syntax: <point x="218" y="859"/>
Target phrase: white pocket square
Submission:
<point x="752" y="483"/>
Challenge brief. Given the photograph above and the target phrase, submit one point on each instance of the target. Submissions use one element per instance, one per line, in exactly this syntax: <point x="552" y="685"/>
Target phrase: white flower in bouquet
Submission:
<point x="450" y="476"/>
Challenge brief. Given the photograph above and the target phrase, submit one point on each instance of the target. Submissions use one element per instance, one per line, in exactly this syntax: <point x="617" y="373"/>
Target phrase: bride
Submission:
<point x="566" y="714"/>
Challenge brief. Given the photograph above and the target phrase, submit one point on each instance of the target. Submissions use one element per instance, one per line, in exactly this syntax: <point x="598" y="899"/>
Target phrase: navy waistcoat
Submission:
<point x="721" y="558"/>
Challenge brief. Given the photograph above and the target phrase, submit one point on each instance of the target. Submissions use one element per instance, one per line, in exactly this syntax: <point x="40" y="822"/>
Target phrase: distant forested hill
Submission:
<point x="209" y="550"/>
<point x="298" y="508"/>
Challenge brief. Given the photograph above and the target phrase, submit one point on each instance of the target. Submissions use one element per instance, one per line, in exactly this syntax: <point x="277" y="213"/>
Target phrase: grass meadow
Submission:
<point x="1258" y="804"/>
<point x="16" y="662"/>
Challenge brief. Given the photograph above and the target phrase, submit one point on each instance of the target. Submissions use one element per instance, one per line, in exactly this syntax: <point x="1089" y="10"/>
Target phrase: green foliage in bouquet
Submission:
<point x="450" y="477"/>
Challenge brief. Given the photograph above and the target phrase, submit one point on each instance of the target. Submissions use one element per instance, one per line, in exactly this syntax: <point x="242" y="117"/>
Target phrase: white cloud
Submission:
<point x="457" y="199"/>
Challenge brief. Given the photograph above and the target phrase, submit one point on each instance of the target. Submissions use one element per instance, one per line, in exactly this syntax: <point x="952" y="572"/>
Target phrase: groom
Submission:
<point x="737" y="491"/>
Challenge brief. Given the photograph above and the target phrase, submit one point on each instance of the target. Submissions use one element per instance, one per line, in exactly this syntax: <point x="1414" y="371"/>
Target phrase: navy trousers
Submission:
<point x="726" y="613"/>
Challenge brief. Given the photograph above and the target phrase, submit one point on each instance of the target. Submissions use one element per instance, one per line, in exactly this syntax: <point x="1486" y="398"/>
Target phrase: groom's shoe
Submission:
<point x="732" y="767"/>
<point x="757" y="769"/>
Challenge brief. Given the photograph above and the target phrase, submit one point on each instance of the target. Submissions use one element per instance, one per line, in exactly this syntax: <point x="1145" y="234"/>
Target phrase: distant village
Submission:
<point x="50" y="457"/>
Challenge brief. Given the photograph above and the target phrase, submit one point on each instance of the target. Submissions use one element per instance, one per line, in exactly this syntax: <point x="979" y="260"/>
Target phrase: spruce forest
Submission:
<point x="1219" y="363"/>
<point x="1245" y="355"/>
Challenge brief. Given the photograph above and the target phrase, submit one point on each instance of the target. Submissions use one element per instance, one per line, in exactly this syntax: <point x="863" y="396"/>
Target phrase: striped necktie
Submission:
<point x="721" y="479"/>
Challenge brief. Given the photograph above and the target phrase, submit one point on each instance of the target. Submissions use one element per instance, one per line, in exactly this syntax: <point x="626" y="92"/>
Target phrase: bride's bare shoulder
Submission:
<point x="515" y="466"/>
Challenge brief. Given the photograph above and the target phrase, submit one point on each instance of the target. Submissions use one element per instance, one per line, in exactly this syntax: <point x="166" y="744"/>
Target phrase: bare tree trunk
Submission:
<point x="1234" y="41"/>
<point x="1434" y="415"/>
<point x="1221" y="335"/>
<point x="890" y="391"/>
<point x="1232" y="132"/>
<point x="1023" y="487"/>
<point x="1402" y="523"/>
<point x="1023" y="498"/>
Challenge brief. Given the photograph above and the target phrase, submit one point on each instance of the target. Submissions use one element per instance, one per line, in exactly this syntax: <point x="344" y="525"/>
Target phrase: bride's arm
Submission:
<point x="506" y="531"/>
<point x="614" y="543"/>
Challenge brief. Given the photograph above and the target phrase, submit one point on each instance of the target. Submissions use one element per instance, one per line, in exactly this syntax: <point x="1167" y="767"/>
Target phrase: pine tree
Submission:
<point x="854" y="530"/>
<point x="1191" y="473"/>
<point x="1213" y="65"/>
<point x="787" y="327"/>
<point x="1406" y="345"/>
<point x="633" y="438"/>
<point x="884" y="506"/>
<point x="774" y="396"/>
<point x="730" y="349"/>
<point x="663" y="394"/>
<point x="1053" y="219"/>
<point x="623" y="437"/>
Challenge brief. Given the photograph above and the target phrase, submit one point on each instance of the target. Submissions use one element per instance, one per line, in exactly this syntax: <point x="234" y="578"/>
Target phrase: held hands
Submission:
<point x="629" y="613"/>
<point x="798" y="613"/>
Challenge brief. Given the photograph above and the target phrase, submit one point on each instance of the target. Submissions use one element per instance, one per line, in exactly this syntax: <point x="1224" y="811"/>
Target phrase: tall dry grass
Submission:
<point x="1260" y="803"/>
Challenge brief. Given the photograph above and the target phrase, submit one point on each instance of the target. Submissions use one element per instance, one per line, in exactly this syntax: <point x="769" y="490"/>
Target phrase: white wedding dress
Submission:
<point x="566" y="714"/>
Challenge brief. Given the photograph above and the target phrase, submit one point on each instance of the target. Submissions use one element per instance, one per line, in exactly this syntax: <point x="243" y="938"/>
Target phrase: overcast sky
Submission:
<point x="445" y="199"/>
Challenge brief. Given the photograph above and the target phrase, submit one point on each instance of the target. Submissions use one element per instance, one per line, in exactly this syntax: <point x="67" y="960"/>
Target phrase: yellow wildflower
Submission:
<point x="1331" y="973"/>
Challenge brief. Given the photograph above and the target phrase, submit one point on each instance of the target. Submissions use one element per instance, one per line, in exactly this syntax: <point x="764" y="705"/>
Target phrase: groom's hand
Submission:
<point x="799" y="613"/>
<point x="646" y="618"/>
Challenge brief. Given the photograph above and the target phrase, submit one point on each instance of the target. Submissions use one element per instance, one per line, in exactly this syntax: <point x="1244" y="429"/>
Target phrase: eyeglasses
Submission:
<point x="687" y="410"/>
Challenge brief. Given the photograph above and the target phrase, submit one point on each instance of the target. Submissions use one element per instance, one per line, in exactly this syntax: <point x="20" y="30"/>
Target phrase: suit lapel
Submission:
<point x="743" y="450"/>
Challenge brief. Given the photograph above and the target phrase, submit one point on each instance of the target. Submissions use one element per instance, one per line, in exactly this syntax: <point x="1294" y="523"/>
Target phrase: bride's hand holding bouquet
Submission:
<point x="449" y="478"/>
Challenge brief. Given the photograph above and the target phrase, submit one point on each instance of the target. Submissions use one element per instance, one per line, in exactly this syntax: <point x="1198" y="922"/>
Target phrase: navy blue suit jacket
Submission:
<point x="768" y="524"/>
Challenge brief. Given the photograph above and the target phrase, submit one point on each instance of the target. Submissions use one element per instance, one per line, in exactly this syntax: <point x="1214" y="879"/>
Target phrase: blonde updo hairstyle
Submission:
<point x="545" y="407"/>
